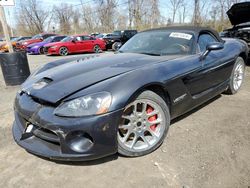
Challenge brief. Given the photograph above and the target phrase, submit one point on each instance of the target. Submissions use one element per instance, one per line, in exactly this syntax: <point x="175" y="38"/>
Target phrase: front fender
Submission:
<point x="123" y="87"/>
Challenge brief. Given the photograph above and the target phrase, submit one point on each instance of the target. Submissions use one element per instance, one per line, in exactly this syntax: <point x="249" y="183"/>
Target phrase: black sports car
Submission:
<point x="87" y="108"/>
<point x="239" y="16"/>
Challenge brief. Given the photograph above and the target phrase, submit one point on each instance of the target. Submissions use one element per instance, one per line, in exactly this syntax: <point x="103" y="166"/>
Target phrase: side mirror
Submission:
<point x="211" y="47"/>
<point x="73" y="40"/>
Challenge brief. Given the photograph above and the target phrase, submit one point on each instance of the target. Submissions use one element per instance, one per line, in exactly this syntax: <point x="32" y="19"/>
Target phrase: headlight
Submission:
<point x="94" y="104"/>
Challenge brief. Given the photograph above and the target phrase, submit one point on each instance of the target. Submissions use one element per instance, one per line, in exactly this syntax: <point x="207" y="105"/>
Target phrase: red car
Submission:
<point x="75" y="44"/>
<point x="37" y="38"/>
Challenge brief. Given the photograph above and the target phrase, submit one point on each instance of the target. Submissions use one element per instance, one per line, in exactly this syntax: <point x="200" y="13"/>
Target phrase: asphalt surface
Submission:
<point x="208" y="147"/>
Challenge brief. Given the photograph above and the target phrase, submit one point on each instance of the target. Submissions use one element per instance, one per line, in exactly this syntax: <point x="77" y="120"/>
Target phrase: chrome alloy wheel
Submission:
<point x="142" y="126"/>
<point x="63" y="51"/>
<point x="238" y="76"/>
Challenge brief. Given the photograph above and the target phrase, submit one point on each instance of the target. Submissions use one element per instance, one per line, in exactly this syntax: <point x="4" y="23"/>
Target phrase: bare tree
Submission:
<point x="175" y="5"/>
<point x="196" y="17"/>
<point x="143" y="13"/>
<point x="31" y="17"/>
<point x="90" y="20"/>
<point x="64" y="14"/>
<point x="106" y="13"/>
<point x="182" y="12"/>
<point x="155" y="13"/>
<point x="76" y="21"/>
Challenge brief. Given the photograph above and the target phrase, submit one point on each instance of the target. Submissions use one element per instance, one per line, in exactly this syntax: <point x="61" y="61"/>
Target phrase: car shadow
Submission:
<point x="83" y="163"/>
<point x="194" y="110"/>
<point x="248" y="62"/>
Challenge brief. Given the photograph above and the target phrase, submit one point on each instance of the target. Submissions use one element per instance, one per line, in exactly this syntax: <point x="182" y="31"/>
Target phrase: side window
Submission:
<point x="78" y="38"/>
<point x="46" y="36"/>
<point x="87" y="38"/>
<point x="204" y="40"/>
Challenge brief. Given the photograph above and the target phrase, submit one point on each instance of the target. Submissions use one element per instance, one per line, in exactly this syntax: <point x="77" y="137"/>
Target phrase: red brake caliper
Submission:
<point x="152" y="118"/>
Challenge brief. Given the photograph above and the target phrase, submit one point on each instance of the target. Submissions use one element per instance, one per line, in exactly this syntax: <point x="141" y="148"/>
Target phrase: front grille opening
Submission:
<point x="47" y="135"/>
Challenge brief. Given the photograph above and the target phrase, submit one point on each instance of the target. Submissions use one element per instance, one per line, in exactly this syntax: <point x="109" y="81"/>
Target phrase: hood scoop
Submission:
<point x="41" y="83"/>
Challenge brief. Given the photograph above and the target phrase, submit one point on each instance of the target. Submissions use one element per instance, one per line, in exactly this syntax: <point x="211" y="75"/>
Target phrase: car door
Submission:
<point x="77" y="45"/>
<point x="214" y="68"/>
<point x="88" y="43"/>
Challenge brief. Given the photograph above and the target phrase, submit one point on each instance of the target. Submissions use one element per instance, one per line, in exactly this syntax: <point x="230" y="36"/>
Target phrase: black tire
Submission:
<point x="96" y="49"/>
<point x="41" y="50"/>
<point x="149" y="95"/>
<point x="63" y="53"/>
<point x="116" y="45"/>
<point x="14" y="49"/>
<point x="231" y="90"/>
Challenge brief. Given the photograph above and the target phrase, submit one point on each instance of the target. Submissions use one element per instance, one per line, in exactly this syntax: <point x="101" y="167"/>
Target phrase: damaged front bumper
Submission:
<point x="42" y="133"/>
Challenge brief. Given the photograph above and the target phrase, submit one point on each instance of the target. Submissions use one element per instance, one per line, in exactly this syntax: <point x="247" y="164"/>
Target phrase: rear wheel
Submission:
<point x="237" y="76"/>
<point x="143" y="126"/>
<point x="63" y="51"/>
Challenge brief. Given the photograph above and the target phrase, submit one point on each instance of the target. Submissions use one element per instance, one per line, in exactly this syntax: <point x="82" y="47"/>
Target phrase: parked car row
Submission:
<point x="53" y="44"/>
<point x="4" y="47"/>
<point x="117" y="38"/>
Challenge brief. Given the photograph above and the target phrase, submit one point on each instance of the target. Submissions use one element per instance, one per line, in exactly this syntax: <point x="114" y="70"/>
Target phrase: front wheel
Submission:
<point x="143" y="126"/>
<point x="41" y="51"/>
<point x="237" y="76"/>
<point x="116" y="46"/>
<point x="63" y="51"/>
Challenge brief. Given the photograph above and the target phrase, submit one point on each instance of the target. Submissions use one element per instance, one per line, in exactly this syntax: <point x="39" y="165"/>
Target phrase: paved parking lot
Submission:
<point x="209" y="147"/>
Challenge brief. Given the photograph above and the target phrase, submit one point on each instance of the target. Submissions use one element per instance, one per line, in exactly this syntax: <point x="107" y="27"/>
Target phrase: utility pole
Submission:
<point x="5" y="29"/>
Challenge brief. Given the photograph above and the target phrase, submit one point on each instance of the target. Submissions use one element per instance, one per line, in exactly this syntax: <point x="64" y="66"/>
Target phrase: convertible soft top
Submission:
<point x="195" y="30"/>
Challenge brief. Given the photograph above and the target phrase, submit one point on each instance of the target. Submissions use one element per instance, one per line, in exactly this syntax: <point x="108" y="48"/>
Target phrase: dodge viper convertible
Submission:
<point x="85" y="108"/>
<point x="75" y="44"/>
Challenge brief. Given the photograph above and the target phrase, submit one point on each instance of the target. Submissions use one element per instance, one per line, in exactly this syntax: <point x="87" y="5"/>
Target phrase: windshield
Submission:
<point x="117" y="32"/>
<point x="14" y="39"/>
<point x="36" y="37"/>
<point x="49" y="39"/>
<point x="159" y="43"/>
<point x="67" y="39"/>
<point x="100" y="36"/>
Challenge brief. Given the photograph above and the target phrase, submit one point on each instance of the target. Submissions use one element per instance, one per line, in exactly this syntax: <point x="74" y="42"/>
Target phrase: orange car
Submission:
<point x="5" y="48"/>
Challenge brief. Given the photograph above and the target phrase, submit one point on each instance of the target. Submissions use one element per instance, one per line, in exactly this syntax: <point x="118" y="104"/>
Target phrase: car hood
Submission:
<point x="73" y="76"/>
<point x="30" y="41"/>
<point x="239" y="13"/>
<point x="37" y="44"/>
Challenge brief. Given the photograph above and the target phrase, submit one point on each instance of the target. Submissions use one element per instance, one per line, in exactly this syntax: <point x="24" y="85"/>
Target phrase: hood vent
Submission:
<point x="42" y="83"/>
